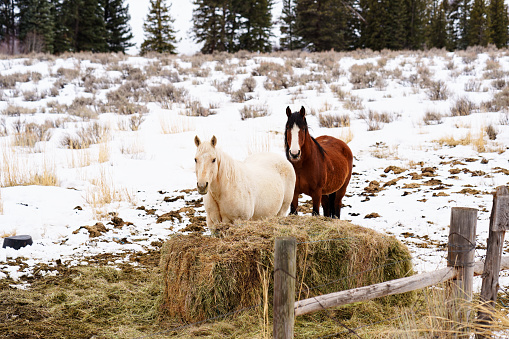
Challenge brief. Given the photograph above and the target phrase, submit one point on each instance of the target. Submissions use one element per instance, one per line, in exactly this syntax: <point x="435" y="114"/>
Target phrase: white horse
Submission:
<point x="260" y="186"/>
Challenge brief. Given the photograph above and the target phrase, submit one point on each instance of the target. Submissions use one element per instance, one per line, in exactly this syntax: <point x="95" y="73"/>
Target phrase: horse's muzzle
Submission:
<point x="202" y="189"/>
<point x="294" y="157"/>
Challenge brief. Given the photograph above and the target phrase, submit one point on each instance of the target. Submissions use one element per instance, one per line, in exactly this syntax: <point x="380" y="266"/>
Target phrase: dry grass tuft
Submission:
<point x="334" y="120"/>
<point x="174" y="125"/>
<point x="253" y="111"/>
<point x="375" y="120"/>
<point x="206" y="276"/>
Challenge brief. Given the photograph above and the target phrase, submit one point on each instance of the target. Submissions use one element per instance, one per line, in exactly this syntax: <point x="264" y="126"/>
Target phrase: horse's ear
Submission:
<point x="288" y="111"/>
<point x="302" y="111"/>
<point x="213" y="141"/>
<point x="197" y="141"/>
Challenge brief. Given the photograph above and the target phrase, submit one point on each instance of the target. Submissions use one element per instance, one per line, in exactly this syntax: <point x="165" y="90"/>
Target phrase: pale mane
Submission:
<point x="227" y="166"/>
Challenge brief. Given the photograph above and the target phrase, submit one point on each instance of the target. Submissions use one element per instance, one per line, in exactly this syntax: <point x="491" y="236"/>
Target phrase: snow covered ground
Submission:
<point x="139" y="183"/>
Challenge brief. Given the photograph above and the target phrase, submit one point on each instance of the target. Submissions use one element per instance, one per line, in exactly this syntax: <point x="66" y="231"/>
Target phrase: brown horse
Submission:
<point x="323" y="165"/>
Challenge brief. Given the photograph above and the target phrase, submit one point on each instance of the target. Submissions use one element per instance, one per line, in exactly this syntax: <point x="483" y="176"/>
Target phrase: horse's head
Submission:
<point x="206" y="163"/>
<point x="295" y="133"/>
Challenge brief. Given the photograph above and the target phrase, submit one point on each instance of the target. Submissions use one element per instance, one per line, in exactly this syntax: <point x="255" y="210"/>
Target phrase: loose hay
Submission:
<point x="206" y="276"/>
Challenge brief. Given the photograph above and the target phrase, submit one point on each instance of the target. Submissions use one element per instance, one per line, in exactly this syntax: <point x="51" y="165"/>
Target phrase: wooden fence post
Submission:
<point x="285" y="267"/>
<point x="460" y="255"/>
<point x="499" y="223"/>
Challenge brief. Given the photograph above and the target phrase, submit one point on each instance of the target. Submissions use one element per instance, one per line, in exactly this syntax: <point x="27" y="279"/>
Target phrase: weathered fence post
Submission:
<point x="499" y="223"/>
<point x="460" y="255"/>
<point x="285" y="268"/>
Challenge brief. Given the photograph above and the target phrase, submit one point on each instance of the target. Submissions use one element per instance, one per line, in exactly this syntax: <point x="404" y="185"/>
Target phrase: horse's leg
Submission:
<point x="328" y="202"/>
<point x="213" y="213"/>
<point x="294" y="204"/>
<point x="316" y="197"/>
<point x="338" y="202"/>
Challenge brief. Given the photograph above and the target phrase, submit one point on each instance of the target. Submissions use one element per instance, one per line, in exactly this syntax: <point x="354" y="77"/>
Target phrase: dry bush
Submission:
<point x="28" y="134"/>
<point x="194" y="108"/>
<point x="267" y="68"/>
<point x="86" y="136"/>
<point x="15" y="110"/>
<point x="432" y="118"/>
<point x="500" y="100"/>
<point x="338" y="92"/>
<point x="473" y="86"/>
<point x="249" y="84"/>
<point x="33" y="95"/>
<point x="133" y="73"/>
<point x="239" y="96"/>
<point x="253" y="111"/>
<point x="9" y="81"/>
<point x="462" y="107"/>
<point x="491" y="131"/>
<point x="498" y="84"/>
<point x="224" y="86"/>
<point x="375" y="120"/>
<point x="69" y="74"/>
<point x="167" y="93"/>
<point x="334" y="120"/>
<point x="438" y="90"/>
<point x="80" y="107"/>
<point x="504" y="119"/>
<point x="364" y="76"/>
<point x="354" y="103"/>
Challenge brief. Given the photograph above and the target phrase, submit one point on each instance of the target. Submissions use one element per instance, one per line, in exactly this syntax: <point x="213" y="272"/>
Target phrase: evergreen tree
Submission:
<point x="36" y="25"/>
<point x="159" y="31"/>
<point x="327" y="24"/>
<point x="116" y="18"/>
<point x="497" y="23"/>
<point x="8" y="24"/>
<point x="415" y="23"/>
<point x="82" y="23"/>
<point x="209" y="25"/>
<point x="478" y="24"/>
<point x="457" y="17"/>
<point x="437" y="30"/>
<point x="385" y="24"/>
<point x="256" y="25"/>
<point x="289" y="39"/>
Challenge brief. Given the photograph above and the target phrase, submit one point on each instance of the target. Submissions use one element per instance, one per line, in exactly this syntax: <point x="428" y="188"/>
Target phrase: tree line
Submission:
<point x="56" y="26"/>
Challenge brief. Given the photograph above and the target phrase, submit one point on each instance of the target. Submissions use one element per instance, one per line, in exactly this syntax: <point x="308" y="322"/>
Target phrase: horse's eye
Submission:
<point x="213" y="160"/>
<point x="195" y="160"/>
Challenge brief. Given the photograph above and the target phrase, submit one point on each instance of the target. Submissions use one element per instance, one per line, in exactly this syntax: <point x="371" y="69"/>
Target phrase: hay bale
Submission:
<point x="207" y="276"/>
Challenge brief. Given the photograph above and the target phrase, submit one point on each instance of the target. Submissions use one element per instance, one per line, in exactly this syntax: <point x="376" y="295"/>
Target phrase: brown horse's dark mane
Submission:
<point x="296" y="118"/>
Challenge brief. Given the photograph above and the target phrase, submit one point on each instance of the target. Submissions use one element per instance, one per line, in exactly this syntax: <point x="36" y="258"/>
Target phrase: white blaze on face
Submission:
<point x="294" y="147"/>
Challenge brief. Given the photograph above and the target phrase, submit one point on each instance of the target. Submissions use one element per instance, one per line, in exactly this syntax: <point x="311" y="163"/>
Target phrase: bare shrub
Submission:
<point x="472" y="86"/>
<point x="353" y="103"/>
<point x="239" y="96"/>
<point x="80" y="108"/>
<point x="462" y="107"/>
<point x="375" y="120"/>
<point x="249" y="84"/>
<point x="334" y="120"/>
<point x="135" y="121"/>
<point x="131" y="90"/>
<point x="85" y="136"/>
<point x="277" y="82"/>
<point x="363" y="76"/>
<point x="224" y="86"/>
<point x="9" y="80"/>
<point x="272" y="68"/>
<point x="491" y="131"/>
<point x="195" y="109"/>
<point x="500" y="100"/>
<point x="33" y="95"/>
<point x="132" y="73"/>
<point x="15" y="110"/>
<point x="253" y="111"/>
<point x="29" y="134"/>
<point x="498" y="84"/>
<point x="432" y="118"/>
<point x="278" y="76"/>
<point x="338" y="92"/>
<point x="504" y="119"/>
<point x="438" y="90"/>
<point x="168" y="93"/>
<point x="69" y="74"/>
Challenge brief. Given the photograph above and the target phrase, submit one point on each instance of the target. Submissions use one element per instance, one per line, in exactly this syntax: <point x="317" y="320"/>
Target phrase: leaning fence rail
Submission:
<point x="460" y="271"/>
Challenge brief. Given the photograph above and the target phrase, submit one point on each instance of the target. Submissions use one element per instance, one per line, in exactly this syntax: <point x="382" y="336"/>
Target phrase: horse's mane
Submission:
<point x="296" y="118"/>
<point x="227" y="166"/>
